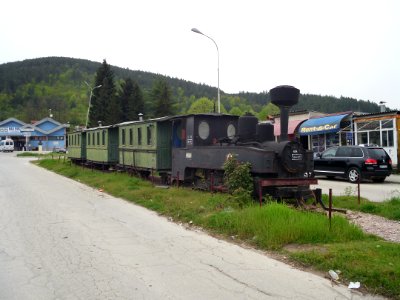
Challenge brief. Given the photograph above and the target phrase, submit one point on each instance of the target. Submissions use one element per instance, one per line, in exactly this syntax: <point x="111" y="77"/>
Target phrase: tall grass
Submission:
<point x="276" y="225"/>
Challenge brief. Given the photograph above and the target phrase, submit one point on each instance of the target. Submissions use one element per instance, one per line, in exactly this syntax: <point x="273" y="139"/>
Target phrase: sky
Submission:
<point x="348" y="48"/>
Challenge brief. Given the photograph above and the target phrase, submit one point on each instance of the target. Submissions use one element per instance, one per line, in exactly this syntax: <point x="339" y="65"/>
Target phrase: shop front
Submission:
<point x="328" y="131"/>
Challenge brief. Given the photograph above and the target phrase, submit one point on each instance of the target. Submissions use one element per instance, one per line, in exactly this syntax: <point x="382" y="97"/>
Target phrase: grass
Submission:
<point x="360" y="257"/>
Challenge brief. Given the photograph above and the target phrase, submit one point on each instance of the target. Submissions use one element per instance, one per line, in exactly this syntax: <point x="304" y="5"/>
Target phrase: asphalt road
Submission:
<point x="376" y="192"/>
<point x="60" y="239"/>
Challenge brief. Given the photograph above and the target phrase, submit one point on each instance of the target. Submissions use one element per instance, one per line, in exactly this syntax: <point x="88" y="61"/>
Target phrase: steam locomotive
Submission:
<point x="193" y="148"/>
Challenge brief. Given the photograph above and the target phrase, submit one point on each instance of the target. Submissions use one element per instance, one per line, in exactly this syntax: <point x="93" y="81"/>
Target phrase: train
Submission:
<point x="193" y="148"/>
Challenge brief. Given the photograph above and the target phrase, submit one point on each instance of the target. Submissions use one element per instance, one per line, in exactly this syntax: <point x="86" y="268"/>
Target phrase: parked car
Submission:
<point x="354" y="163"/>
<point x="7" y="145"/>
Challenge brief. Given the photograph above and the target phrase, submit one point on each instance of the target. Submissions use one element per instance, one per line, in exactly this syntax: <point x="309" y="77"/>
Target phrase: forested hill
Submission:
<point x="28" y="89"/>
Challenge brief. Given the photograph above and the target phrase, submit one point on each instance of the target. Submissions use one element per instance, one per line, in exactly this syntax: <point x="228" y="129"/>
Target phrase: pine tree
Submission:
<point x="131" y="100"/>
<point x="161" y="97"/>
<point x="105" y="106"/>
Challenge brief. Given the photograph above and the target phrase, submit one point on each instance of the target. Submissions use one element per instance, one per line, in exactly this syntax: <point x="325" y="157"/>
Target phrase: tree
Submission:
<point x="202" y="105"/>
<point x="105" y="106"/>
<point x="236" y="111"/>
<point x="269" y="109"/>
<point x="161" y="98"/>
<point x="131" y="100"/>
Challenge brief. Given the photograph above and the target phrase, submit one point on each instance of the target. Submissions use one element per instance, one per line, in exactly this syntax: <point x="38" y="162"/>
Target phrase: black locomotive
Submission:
<point x="278" y="168"/>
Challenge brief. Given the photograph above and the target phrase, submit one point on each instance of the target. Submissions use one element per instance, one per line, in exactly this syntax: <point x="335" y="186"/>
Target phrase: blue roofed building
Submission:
<point x="47" y="134"/>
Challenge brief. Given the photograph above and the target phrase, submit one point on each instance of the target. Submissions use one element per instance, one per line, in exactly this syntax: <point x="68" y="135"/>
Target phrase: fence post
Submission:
<point x="330" y="209"/>
<point x="358" y="190"/>
<point x="212" y="182"/>
<point x="260" y="192"/>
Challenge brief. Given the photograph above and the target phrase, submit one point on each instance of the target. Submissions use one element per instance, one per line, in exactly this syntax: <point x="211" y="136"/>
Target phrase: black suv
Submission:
<point x="354" y="163"/>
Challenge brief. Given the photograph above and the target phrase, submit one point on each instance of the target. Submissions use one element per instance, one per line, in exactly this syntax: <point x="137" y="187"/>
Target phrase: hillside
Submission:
<point x="28" y="89"/>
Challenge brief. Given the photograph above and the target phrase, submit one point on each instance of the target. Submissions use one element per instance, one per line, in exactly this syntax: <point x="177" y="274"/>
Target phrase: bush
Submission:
<point x="238" y="179"/>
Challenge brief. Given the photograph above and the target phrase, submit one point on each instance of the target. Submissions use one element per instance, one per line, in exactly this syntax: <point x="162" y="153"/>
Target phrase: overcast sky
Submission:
<point x="342" y="48"/>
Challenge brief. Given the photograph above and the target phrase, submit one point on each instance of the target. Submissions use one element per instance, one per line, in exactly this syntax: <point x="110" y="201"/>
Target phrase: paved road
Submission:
<point x="62" y="240"/>
<point x="376" y="192"/>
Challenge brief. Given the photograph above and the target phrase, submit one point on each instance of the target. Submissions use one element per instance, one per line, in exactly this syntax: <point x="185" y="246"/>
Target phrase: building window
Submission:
<point x="375" y="138"/>
<point x="387" y="138"/>
<point x="387" y="123"/>
<point x="362" y="137"/>
<point x="376" y="132"/>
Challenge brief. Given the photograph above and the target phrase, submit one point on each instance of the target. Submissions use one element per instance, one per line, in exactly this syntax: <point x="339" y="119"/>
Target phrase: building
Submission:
<point x="47" y="133"/>
<point x="381" y="129"/>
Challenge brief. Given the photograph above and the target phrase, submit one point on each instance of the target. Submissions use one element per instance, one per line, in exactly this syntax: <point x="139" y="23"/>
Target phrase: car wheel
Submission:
<point x="379" y="179"/>
<point x="353" y="175"/>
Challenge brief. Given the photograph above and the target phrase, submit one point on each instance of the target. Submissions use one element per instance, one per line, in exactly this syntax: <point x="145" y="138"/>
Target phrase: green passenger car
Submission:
<point x="102" y="145"/>
<point x="145" y="146"/>
<point x="77" y="146"/>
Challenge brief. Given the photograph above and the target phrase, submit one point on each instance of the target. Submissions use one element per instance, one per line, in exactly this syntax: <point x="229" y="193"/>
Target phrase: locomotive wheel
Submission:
<point x="353" y="175"/>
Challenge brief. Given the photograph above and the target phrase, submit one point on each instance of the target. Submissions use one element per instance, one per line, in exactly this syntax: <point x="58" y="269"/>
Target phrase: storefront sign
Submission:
<point x="326" y="127"/>
<point x="9" y="130"/>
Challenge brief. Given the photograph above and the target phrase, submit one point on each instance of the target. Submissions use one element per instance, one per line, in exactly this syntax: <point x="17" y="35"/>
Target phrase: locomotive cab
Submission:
<point x="195" y="139"/>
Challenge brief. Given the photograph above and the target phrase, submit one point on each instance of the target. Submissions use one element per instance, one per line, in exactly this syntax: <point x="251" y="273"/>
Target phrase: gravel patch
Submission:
<point x="380" y="226"/>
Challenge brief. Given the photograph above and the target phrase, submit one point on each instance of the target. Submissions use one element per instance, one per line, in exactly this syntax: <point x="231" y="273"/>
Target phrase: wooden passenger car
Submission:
<point x="102" y="145"/>
<point x="77" y="146"/>
<point x="145" y="146"/>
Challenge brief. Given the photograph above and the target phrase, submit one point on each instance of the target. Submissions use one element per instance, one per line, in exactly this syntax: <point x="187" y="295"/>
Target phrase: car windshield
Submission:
<point x="377" y="152"/>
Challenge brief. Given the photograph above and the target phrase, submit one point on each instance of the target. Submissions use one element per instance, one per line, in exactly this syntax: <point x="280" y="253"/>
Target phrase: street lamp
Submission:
<point x="199" y="32"/>
<point x="90" y="100"/>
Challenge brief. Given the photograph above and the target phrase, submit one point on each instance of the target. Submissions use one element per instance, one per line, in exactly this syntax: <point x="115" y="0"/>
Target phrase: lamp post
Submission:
<point x="199" y="32"/>
<point x="90" y="100"/>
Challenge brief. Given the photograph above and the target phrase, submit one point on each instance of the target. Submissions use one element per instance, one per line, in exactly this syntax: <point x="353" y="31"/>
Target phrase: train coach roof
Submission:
<point x="100" y="127"/>
<point x="144" y="121"/>
<point x="204" y="115"/>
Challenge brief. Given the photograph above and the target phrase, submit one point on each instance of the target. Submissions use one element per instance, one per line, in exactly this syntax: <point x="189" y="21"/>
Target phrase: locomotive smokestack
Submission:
<point x="284" y="96"/>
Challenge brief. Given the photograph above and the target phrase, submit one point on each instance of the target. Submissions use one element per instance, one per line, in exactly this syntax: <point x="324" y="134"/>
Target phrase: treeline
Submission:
<point x="30" y="88"/>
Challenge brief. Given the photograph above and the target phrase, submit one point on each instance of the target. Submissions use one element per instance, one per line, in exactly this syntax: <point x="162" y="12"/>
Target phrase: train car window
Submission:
<point x="79" y="140"/>
<point x="231" y="131"/>
<point x="123" y="136"/>
<point x="130" y="136"/>
<point x="103" y="138"/>
<point x="88" y="139"/>
<point x="98" y="138"/>
<point x="204" y="130"/>
<point x="178" y="134"/>
<point x="149" y="135"/>
<point x="139" y="135"/>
